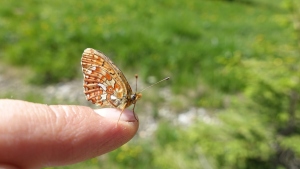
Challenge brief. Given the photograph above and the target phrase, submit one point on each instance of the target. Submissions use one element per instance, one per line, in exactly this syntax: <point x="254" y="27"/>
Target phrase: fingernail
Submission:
<point x="114" y="114"/>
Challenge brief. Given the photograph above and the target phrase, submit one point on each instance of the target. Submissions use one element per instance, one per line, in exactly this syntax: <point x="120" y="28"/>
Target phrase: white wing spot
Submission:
<point x="103" y="97"/>
<point x="112" y="97"/>
<point x="102" y="86"/>
<point x="88" y="72"/>
<point x="111" y="82"/>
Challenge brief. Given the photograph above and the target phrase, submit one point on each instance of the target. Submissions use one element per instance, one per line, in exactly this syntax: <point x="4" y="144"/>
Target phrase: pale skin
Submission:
<point x="34" y="135"/>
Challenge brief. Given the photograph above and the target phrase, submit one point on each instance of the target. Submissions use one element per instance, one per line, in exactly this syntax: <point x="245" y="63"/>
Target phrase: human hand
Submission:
<point x="37" y="135"/>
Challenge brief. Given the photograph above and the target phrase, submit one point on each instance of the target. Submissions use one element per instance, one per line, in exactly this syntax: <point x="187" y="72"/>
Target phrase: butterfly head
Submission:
<point x="135" y="97"/>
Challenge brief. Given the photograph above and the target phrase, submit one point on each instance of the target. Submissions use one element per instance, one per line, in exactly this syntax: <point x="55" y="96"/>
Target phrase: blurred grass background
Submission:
<point x="233" y="98"/>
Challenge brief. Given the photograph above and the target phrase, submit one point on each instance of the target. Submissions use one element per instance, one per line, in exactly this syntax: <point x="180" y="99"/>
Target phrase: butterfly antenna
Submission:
<point x="167" y="78"/>
<point x="136" y="78"/>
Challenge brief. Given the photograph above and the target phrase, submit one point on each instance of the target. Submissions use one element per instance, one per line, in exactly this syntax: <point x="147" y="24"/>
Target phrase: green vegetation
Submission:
<point x="237" y="59"/>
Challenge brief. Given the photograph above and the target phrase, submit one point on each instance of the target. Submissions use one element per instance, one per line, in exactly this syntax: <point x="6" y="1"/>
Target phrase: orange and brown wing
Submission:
<point x="104" y="84"/>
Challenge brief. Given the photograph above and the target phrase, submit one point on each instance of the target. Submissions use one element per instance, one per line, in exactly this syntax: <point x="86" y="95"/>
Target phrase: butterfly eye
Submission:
<point x="133" y="97"/>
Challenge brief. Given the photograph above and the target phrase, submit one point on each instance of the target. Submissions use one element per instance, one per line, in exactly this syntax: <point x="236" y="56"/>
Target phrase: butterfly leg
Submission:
<point x="122" y="110"/>
<point x="121" y="113"/>
<point x="134" y="112"/>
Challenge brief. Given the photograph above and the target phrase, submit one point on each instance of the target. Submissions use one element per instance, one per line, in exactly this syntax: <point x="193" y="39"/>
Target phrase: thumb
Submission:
<point x="36" y="135"/>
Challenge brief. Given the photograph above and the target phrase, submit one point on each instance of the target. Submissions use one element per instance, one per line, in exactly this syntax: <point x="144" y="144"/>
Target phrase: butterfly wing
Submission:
<point x="104" y="84"/>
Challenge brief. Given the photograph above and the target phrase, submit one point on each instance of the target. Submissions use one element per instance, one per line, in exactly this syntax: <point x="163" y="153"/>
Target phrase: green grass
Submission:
<point x="190" y="41"/>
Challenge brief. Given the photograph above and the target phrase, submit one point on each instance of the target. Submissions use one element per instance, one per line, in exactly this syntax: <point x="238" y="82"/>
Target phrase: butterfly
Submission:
<point x="104" y="83"/>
